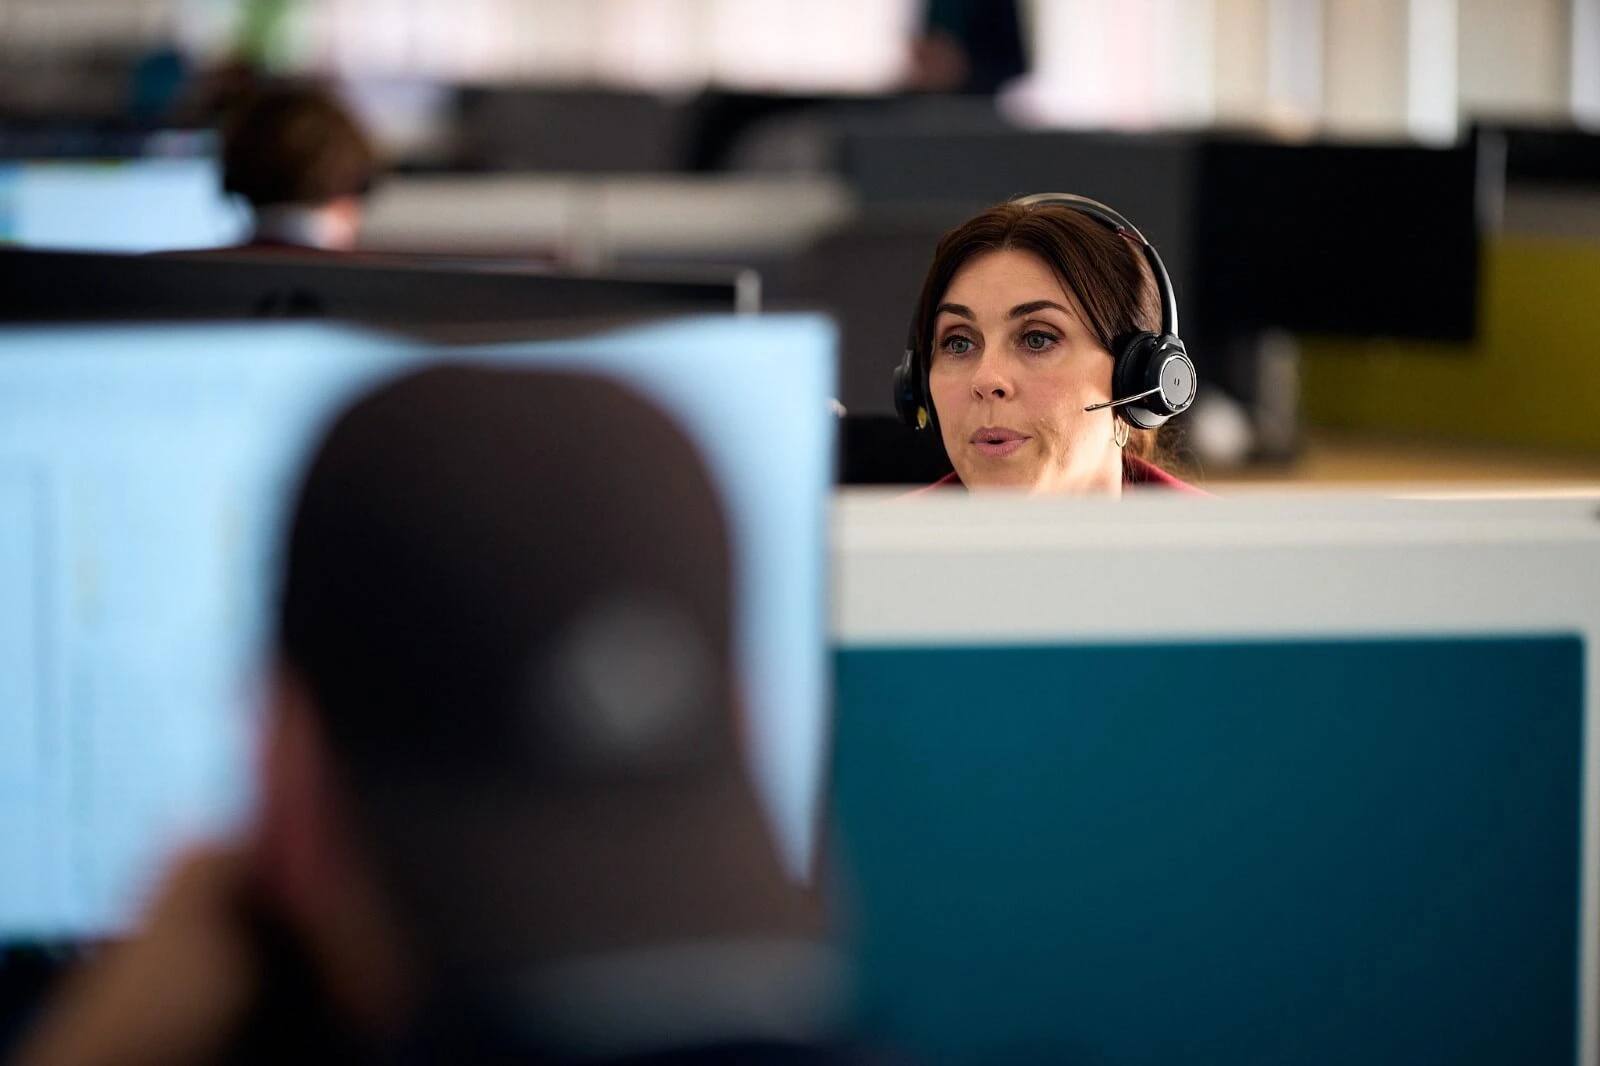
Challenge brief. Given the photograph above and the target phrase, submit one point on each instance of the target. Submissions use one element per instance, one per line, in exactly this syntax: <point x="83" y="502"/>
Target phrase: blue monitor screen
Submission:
<point x="145" y="475"/>
<point x="132" y="206"/>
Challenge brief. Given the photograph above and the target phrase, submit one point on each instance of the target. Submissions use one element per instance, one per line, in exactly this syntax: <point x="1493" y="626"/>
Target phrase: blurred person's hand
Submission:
<point x="174" y="992"/>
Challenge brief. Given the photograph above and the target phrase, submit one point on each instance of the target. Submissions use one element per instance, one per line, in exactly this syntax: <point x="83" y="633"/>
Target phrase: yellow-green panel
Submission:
<point x="1532" y="377"/>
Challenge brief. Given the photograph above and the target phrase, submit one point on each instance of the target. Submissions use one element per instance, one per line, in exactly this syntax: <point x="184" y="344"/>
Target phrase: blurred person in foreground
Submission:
<point x="504" y="814"/>
<point x="303" y="163"/>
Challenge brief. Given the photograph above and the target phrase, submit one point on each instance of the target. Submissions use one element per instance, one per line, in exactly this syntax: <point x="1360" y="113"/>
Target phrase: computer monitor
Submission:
<point x="1254" y="781"/>
<point x="40" y="286"/>
<point x="118" y="205"/>
<point x="144" y="478"/>
<point x="1347" y="239"/>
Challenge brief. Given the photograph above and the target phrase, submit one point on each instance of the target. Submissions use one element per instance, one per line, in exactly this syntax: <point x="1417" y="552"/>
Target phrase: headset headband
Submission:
<point x="1100" y="212"/>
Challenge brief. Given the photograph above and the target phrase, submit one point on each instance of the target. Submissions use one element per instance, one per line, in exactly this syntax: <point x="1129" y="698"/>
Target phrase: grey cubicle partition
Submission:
<point x="577" y="131"/>
<point x="1150" y="178"/>
<point x="1254" y="782"/>
<point x="1359" y="238"/>
<point x="867" y="273"/>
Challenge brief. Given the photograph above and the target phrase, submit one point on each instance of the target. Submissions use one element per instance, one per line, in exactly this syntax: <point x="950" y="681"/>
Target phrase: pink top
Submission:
<point x="1136" y="473"/>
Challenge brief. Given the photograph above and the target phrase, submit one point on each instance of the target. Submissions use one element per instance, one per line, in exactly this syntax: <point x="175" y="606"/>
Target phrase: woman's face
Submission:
<point x="1013" y="367"/>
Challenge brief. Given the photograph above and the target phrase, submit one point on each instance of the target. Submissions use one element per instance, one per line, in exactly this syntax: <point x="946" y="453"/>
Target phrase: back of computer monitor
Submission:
<point x="38" y="286"/>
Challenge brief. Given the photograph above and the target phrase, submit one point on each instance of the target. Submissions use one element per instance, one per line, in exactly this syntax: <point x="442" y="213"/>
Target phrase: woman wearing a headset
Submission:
<point x="1044" y="351"/>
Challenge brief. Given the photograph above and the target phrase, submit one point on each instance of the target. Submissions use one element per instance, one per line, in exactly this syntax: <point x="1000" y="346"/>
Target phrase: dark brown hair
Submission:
<point x="295" y="144"/>
<point x="1106" y="271"/>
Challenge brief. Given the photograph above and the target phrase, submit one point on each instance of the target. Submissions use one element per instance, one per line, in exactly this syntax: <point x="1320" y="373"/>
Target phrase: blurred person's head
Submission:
<point x="302" y="162"/>
<point x="968" y="46"/>
<point x="504" y="738"/>
<point x="1016" y="324"/>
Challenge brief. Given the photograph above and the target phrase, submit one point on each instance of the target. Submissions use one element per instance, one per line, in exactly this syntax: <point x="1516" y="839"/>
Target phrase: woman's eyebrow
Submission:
<point x="961" y="310"/>
<point x="1036" y="305"/>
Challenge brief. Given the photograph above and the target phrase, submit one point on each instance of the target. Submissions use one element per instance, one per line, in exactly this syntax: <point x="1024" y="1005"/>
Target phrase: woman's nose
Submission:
<point x="988" y="381"/>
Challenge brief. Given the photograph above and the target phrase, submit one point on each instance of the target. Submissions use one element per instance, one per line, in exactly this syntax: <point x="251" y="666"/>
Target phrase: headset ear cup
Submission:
<point x="908" y="401"/>
<point x="1172" y="371"/>
<point x="1149" y="363"/>
<point x="1128" y="374"/>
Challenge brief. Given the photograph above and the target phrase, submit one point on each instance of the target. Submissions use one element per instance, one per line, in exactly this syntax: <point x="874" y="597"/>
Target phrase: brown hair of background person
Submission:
<point x="1110" y="294"/>
<point x="504" y="813"/>
<point x="303" y="163"/>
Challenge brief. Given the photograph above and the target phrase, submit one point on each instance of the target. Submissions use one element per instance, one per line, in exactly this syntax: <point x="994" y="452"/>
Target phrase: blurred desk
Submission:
<point x="605" y="219"/>
<point x="1330" y="457"/>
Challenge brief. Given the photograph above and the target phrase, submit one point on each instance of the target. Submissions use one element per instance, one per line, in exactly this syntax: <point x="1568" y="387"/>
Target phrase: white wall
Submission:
<point x="837" y="45"/>
<point x="1364" y="51"/>
<point x="1132" y="64"/>
<point x="1239" y="60"/>
<point x="1515" y="57"/>
<point x="1358" y="67"/>
<point x="1391" y="67"/>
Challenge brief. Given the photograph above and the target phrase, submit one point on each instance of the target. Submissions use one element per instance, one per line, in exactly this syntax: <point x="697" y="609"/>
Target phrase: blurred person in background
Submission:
<point x="504" y="814"/>
<point x="1012" y="339"/>
<point x="968" y="46"/>
<point x="303" y="163"/>
<point x="157" y="84"/>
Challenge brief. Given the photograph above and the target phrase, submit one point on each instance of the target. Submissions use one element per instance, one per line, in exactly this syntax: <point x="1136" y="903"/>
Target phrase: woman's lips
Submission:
<point x="997" y="442"/>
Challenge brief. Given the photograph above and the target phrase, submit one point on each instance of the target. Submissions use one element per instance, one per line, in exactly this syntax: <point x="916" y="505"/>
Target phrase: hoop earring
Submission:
<point x="1119" y="432"/>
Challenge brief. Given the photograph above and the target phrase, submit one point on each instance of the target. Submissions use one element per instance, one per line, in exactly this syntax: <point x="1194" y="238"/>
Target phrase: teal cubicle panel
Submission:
<point x="1351" y="851"/>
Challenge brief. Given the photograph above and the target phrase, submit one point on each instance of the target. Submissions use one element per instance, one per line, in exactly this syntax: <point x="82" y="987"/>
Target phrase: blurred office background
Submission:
<point x="1382" y="216"/>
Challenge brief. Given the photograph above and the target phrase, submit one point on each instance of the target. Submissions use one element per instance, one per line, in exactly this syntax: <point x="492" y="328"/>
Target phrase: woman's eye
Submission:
<point x="1037" y="341"/>
<point x="957" y="345"/>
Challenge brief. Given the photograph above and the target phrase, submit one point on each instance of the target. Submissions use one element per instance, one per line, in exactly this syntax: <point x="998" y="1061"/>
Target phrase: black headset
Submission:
<point x="1152" y="378"/>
